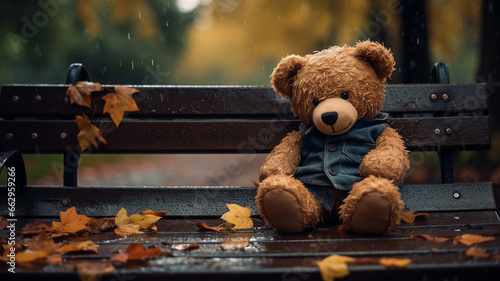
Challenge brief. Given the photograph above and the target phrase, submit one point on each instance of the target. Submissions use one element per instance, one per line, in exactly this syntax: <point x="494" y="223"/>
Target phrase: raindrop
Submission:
<point x="132" y="62"/>
<point x="128" y="34"/>
<point x="418" y="41"/>
<point x="152" y="62"/>
<point x="166" y="23"/>
<point x="140" y="15"/>
<point x="120" y="61"/>
<point x="245" y="22"/>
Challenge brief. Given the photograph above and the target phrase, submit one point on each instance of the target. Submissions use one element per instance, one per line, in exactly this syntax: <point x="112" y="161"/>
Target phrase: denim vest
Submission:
<point x="334" y="160"/>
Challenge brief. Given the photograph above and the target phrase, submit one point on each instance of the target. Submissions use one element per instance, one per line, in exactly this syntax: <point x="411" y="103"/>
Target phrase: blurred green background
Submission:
<point x="238" y="42"/>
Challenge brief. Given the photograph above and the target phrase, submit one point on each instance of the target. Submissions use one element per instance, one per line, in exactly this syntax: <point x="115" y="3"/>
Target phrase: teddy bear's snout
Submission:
<point x="329" y="118"/>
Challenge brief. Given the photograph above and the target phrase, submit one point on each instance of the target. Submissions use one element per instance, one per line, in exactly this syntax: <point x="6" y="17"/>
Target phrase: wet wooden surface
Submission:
<point x="271" y="256"/>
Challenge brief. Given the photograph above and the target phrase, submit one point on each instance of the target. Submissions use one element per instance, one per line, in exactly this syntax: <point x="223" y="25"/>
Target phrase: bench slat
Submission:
<point x="50" y="100"/>
<point x="224" y="135"/>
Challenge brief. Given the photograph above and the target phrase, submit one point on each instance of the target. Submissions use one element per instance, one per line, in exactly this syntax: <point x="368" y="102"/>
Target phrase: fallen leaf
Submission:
<point x="120" y="258"/>
<point x="423" y="237"/>
<point x="128" y="229"/>
<point x="236" y="244"/>
<point x="3" y="223"/>
<point x="239" y="216"/>
<point x="334" y="266"/>
<point x="151" y="212"/>
<point x="476" y="252"/>
<point x="134" y="224"/>
<point x="81" y="92"/>
<point x="93" y="271"/>
<point x="410" y="216"/>
<point x="87" y="246"/>
<point x="186" y="247"/>
<point x="393" y="262"/>
<point x="39" y="248"/>
<point x="204" y="226"/>
<point x="119" y="102"/>
<point x="88" y="133"/>
<point x="71" y="223"/>
<point x="471" y="239"/>
<point x="137" y="252"/>
<point x="100" y="225"/>
<point x="34" y="227"/>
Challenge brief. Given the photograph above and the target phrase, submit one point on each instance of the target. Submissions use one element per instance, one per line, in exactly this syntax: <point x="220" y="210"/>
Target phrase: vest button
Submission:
<point x="331" y="147"/>
<point x="331" y="171"/>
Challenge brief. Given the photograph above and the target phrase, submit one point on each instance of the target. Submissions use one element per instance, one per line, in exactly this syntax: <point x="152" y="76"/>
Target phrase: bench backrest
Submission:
<point x="228" y="119"/>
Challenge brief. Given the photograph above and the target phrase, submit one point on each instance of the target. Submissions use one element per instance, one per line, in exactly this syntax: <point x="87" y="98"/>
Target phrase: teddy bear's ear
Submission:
<point x="380" y="58"/>
<point x="284" y="74"/>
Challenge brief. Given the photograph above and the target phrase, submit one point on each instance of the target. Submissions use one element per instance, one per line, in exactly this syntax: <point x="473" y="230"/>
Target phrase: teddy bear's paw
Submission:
<point x="283" y="211"/>
<point x="286" y="205"/>
<point x="373" y="206"/>
<point x="372" y="214"/>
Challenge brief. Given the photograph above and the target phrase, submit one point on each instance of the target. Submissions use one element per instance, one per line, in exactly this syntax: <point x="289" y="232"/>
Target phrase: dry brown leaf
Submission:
<point x="100" y="225"/>
<point x="334" y="266"/>
<point x="204" y="226"/>
<point x="186" y="247"/>
<point x="471" y="239"/>
<point x="236" y="244"/>
<point x="34" y="227"/>
<point x="81" y="92"/>
<point x="137" y="252"/>
<point x="120" y="258"/>
<point x="134" y="224"/>
<point x="71" y="223"/>
<point x="239" y="216"/>
<point x="151" y="212"/>
<point x="393" y="262"/>
<point x="423" y="237"/>
<point x="88" y="133"/>
<point x="41" y="247"/>
<point x="93" y="271"/>
<point x="410" y="216"/>
<point x="119" y="102"/>
<point x="477" y="252"/>
<point x="87" y="246"/>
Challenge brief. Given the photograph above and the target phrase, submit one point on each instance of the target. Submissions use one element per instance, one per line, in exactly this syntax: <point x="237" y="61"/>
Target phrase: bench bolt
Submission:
<point x="437" y="131"/>
<point x="38" y="98"/>
<point x="63" y="136"/>
<point x="456" y="195"/>
<point x="34" y="136"/>
<point x="434" y="96"/>
<point x="449" y="131"/>
<point x="446" y="97"/>
<point x="15" y="98"/>
<point x="9" y="136"/>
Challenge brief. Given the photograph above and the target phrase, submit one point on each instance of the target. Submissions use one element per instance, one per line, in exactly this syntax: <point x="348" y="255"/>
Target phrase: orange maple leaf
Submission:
<point x="71" y="223"/>
<point x="81" y="92"/>
<point x="134" y="224"/>
<point x="88" y="133"/>
<point x="119" y="102"/>
<point x="137" y="252"/>
<point x="239" y="216"/>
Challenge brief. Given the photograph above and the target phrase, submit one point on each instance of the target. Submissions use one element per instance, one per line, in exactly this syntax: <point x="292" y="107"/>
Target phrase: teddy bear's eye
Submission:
<point x="344" y="95"/>
<point x="315" y="101"/>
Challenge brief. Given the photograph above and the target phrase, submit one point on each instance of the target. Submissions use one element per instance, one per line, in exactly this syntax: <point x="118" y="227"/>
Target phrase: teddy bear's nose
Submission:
<point x="329" y="118"/>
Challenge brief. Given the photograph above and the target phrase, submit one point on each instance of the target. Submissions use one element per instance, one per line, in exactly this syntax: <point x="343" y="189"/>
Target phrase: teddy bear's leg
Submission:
<point x="286" y="205"/>
<point x="373" y="206"/>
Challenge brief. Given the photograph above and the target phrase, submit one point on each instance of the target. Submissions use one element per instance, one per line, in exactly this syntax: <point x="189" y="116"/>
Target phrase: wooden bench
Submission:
<point x="439" y="117"/>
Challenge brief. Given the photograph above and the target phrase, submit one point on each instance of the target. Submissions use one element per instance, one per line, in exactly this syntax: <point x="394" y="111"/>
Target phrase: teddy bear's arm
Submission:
<point x="284" y="158"/>
<point x="389" y="159"/>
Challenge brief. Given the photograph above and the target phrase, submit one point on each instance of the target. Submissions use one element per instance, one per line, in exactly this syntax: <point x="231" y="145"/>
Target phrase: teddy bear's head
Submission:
<point x="334" y="88"/>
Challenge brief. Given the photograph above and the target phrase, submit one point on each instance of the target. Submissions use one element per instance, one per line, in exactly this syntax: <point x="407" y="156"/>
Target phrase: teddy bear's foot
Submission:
<point x="373" y="206"/>
<point x="286" y="205"/>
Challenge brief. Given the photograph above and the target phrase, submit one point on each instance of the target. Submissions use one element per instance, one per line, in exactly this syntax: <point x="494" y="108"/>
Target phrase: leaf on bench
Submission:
<point x="471" y="239"/>
<point x="119" y="102"/>
<point x="71" y="223"/>
<point x="134" y="224"/>
<point x="239" y="216"/>
<point x="236" y="244"/>
<point x="81" y="93"/>
<point x="88" y="133"/>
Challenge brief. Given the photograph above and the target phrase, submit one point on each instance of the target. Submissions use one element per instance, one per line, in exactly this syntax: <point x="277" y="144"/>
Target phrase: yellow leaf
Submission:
<point x="334" y="266"/>
<point x="239" y="216"/>
<point x="133" y="224"/>
<point x="88" y="133"/>
<point x="392" y="262"/>
<point x="471" y="239"/>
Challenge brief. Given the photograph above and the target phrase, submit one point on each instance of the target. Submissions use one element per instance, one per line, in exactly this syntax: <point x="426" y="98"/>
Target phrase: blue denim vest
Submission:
<point x="334" y="160"/>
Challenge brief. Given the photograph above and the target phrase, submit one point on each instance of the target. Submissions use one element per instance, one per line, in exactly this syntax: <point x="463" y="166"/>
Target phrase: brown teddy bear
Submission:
<point x="344" y="151"/>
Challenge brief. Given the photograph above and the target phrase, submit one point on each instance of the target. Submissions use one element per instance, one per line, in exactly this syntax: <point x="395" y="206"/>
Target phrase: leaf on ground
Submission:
<point x="100" y="225"/>
<point x="410" y="216"/>
<point x="334" y="266"/>
<point x="471" y="239"/>
<point x="81" y="92"/>
<point x="3" y="223"/>
<point x="151" y="212"/>
<point x="394" y="262"/>
<point x="423" y="237"/>
<point x="137" y="252"/>
<point x="477" y="253"/>
<point x="186" y="247"/>
<point x="86" y="246"/>
<point x="71" y="223"/>
<point x="88" y="133"/>
<point x="204" y="226"/>
<point x="119" y="102"/>
<point x="236" y="244"/>
<point x="134" y="224"/>
<point x="93" y="271"/>
<point x="39" y="248"/>
<point x="34" y="228"/>
<point x="239" y="216"/>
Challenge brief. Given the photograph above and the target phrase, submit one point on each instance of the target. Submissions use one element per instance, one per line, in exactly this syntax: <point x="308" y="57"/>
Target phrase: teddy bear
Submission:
<point x="344" y="163"/>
